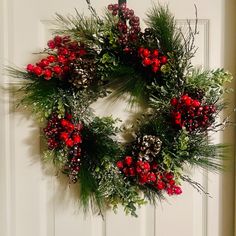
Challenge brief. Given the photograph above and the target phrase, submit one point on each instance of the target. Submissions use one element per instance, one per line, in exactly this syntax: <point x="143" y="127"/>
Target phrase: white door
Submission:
<point x="33" y="203"/>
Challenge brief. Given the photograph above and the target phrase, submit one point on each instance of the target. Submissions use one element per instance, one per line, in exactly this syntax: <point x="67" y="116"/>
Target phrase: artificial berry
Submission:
<point x="147" y="61"/>
<point x="38" y="70"/>
<point x="30" y="68"/>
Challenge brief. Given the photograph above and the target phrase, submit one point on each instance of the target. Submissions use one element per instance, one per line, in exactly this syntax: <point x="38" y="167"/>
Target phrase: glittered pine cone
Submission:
<point x="82" y="73"/>
<point x="148" y="147"/>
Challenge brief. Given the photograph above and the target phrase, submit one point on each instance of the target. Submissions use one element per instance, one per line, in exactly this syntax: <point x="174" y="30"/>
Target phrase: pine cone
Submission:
<point x="196" y="94"/>
<point x="82" y="73"/>
<point x="148" y="147"/>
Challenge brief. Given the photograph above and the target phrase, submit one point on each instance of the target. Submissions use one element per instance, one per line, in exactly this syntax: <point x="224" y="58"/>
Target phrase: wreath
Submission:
<point x="111" y="57"/>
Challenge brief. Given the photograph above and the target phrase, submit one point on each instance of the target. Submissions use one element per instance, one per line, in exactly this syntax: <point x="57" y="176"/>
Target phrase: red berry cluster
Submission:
<point x="152" y="58"/>
<point x="149" y="173"/>
<point x="61" y="133"/>
<point x="62" y="52"/>
<point x="191" y="113"/>
<point x="128" y="32"/>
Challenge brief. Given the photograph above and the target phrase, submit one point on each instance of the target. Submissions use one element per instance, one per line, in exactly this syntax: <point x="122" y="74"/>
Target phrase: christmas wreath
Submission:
<point x="96" y="57"/>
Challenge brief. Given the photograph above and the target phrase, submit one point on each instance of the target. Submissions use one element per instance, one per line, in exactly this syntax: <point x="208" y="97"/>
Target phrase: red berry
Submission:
<point x="188" y="101"/>
<point x="138" y="170"/>
<point x="61" y="59"/>
<point x="143" y="179"/>
<point x="160" y="185"/>
<point x="69" y="142"/>
<point x="64" y="122"/>
<point x="145" y="53"/>
<point x="128" y="160"/>
<point x="184" y="97"/>
<point x="163" y="59"/>
<point x="51" y="44"/>
<point x="131" y="171"/>
<point x="170" y="191"/>
<point x="38" y="70"/>
<point x="140" y="50"/>
<point x="177" y="190"/>
<point x="64" y="136"/>
<point x="58" y="40"/>
<point x="155" y="62"/>
<point x="77" y="139"/>
<point x="146" y="166"/>
<point x="155" y="53"/>
<point x="196" y="103"/>
<point x="120" y="164"/>
<point x="63" y="51"/>
<point x="30" y="68"/>
<point x="169" y="175"/>
<point x="57" y="69"/>
<point x="174" y="101"/>
<point x="147" y="62"/>
<point x="155" y="69"/>
<point x="171" y="182"/>
<point x="70" y="126"/>
<point x="44" y="62"/>
<point x="151" y="177"/>
<point x="47" y="74"/>
<point x="51" y="58"/>
<point x="177" y="115"/>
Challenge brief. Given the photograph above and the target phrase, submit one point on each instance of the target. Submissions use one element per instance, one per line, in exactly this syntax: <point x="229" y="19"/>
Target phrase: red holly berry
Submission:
<point x="155" y="62"/>
<point x="143" y="179"/>
<point x="51" y="58"/>
<point x="64" y="122"/>
<point x="120" y="164"/>
<point x="177" y="190"/>
<point x="171" y="182"/>
<point x="64" y="136"/>
<point x="164" y="59"/>
<point x="77" y="139"/>
<point x="61" y="59"/>
<point x="145" y="53"/>
<point x="155" y="53"/>
<point x="47" y="74"/>
<point x="57" y="40"/>
<point x="69" y="142"/>
<point x="196" y="103"/>
<point x="147" y="61"/>
<point x="155" y="69"/>
<point x="44" y="62"/>
<point x="57" y="69"/>
<point x="51" y="44"/>
<point x="170" y="191"/>
<point x="160" y="185"/>
<point x="174" y="101"/>
<point x="188" y="101"/>
<point x="30" y="68"/>
<point x="132" y="172"/>
<point x="140" y="50"/>
<point x="177" y="115"/>
<point x="151" y="177"/>
<point x="169" y="175"/>
<point x="128" y="160"/>
<point x="38" y="70"/>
